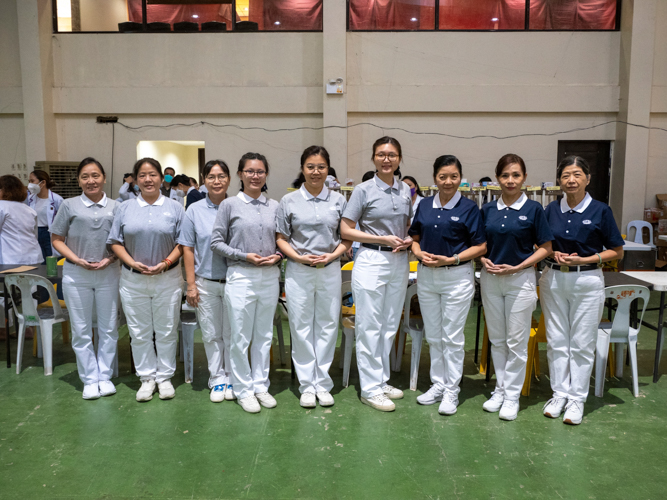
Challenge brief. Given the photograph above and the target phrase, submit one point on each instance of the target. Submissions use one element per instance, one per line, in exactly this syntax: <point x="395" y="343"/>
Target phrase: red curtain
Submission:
<point x="572" y="14"/>
<point x="392" y="14"/>
<point x="482" y="14"/>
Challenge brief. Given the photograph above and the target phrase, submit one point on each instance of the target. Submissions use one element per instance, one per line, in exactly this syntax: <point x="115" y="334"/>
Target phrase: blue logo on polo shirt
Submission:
<point x="523" y="217"/>
<point x="454" y="218"/>
<point x="586" y="222"/>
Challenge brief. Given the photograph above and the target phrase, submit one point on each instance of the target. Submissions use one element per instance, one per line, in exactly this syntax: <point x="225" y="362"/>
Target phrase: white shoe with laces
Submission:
<point x="509" y="410"/>
<point x="554" y="407"/>
<point x="574" y="412"/>
<point x="308" y="400"/>
<point x="166" y="390"/>
<point x="391" y="392"/>
<point x="91" y="391"/>
<point x="494" y="403"/>
<point x="449" y="404"/>
<point x="106" y="387"/>
<point x="145" y="392"/>
<point x="218" y="393"/>
<point x="325" y="398"/>
<point x="229" y="393"/>
<point x="250" y="404"/>
<point x="430" y="397"/>
<point x="380" y="402"/>
<point x="266" y="400"/>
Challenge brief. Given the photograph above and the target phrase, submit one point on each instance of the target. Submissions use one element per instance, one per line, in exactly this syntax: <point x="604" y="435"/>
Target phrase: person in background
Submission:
<point x="206" y="273"/>
<point x="180" y="185"/>
<point x="129" y="190"/>
<point x="193" y="194"/>
<point x="90" y="277"/>
<point x="572" y="287"/>
<point x="308" y="233"/>
<point x="514" y="226"/>
<point x="244" y="233"/>
<point x="415" y="193"/>
<point x="165" y="188"/>
<point x="383" y="209"/>
<point x="46" y="203"/>
<point x="194" y="183"/>
<point x="448" y="234"/>
<point x="144" y="236"/>
<point x="484" y="181"/>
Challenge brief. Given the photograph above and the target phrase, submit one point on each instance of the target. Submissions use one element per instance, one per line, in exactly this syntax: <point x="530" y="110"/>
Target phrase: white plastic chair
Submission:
<point x="347" y="323"/>
<point x="639" y="226"/>
<point x="30" y="315"/>
<point x="619" y="332"/>
<point x="415" y="327"/>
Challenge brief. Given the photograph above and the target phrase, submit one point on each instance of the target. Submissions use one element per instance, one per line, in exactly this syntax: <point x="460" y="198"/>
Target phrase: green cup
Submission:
<point x="52" y="266"/>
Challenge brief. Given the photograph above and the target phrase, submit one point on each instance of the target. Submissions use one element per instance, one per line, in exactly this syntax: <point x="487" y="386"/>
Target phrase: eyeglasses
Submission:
<point x="319" y="168"/>
<point x="221" y="178"/>
<point x="255" y="173"/>
<point x="391" y="156"/>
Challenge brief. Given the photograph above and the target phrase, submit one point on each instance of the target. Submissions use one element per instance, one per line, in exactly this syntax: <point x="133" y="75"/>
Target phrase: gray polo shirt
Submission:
<point x="85" y="225"/>
<point x="245" y="225"/>
<point x="379" y="209"/>
<point x="196" y="233"/>
<point x="310" y="223"/>
<point x="148" y="232"/>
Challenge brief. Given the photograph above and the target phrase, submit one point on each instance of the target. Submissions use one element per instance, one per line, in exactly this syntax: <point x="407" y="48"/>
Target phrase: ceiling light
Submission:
<point x="277" y="23"/>
<point x="413" y="19"/>
<point x="494" y="19"/>
<point x="246" y="9"/>
<point x="195" y="16"/>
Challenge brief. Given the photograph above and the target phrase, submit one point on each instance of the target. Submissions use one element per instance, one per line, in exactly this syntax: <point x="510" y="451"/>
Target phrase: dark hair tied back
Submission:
<point x="87" y="161"/>
<point x="43" y="176"/>
<point x="414" y="181"/>
<point x="446" y="161"/>
<point x="253" y="156"/>
<point x="152" y="162"/>
<point x="212" y="163"/>
<point x="570" y="161"/>
<point x="510" y="159"/>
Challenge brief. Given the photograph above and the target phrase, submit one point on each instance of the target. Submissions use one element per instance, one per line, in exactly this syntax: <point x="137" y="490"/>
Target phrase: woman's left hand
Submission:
<point x="503" y="270"/>
<point x="270" y="260"/>
<point x="407" y="243"/>
<point x="103" y="264"/>
<point x="325" y="258"/>
<point x="159" y="268"/>
<point x="572" y="260"/>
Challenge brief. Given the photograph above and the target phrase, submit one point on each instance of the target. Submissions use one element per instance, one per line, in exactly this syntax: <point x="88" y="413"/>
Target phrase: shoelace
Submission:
<point x="381" y="398"/>
<point x="510" y="403"/>
<point x="451" y="397"/>
<point x="577" y="405"/>
<point x="555" y="401"/>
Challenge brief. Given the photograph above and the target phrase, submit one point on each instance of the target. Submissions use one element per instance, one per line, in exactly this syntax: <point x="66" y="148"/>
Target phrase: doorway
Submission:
<point x="598" y="156"/>
<point x="184" y="157"/>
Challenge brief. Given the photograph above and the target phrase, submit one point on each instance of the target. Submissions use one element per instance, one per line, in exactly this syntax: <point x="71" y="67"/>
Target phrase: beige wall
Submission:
<point x="102" y="15"/>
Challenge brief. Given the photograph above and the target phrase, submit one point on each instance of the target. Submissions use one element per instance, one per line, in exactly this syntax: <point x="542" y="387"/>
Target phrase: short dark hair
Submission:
<point x="253" y="156"/>
<point x="485" y="179"/>
<point x="12" y="188"/>
<point x="414" y="181"/>
<point x="180" y="179"/>
<point x="368" y="176"/>
<point x="507" y="160"/>
<point x="88" y="161"/>
<point x="570" y="161"/>
<point x="43" y="176"/>
<point x="169" y="168"/>
<point x="446" y="161"/>
<point x="313" y="151"/>
<point x="389" y="140"/>
<point x="212" y="163"/>
<point x="152" y="162"/>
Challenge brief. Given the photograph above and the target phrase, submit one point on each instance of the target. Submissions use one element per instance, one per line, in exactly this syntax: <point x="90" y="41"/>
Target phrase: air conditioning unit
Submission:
<point x="63" y="173"/>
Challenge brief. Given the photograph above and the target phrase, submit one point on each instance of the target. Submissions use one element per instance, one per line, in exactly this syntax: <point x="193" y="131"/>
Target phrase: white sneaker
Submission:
<point x="554" y="407"/>
<point x="106" y="387"/>
<point x="430" y="397"/>
<point x="266" y="400"/>
<point x="509" y="410"/>
<point x="574" y="412"/>
<point x="229" y="393"/>
<point x="145" y="392"/>
<point x="449" y="403"/>
<point x="308" y="400"/>
<point x="91" y="391"/>
<point x="392" y="392"/>
<point x="380" y="402"/>
<point x="166" y="390"/>
<point x="494" y="403"/>
<point x="250" y="404"/>
<point x="218" y="393"/>
<point x="325" y="398"/>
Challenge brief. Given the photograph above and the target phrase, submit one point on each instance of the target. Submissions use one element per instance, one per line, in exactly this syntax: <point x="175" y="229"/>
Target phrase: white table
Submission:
<point x="659" y="281"/>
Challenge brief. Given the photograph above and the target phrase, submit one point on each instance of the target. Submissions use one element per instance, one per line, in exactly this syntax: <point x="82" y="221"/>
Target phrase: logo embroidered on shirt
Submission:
<point x="587" y="222"/>
<point x="523" y="217"/>
<point x="454" y="218"/>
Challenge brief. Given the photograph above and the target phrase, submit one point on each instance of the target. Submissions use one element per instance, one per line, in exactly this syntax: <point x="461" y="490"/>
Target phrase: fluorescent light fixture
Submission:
<point x="277" y="23"/>
<point x="413" y="19"/>
<point x="494" y="19"/>
<point x="195" y="16"/>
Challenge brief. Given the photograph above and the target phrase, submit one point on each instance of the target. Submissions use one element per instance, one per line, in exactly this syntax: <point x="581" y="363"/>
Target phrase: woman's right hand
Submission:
<point x="192" y="296"/>
<point x="308" y="259"/>
<point x="142" y="268"/>
<point x="85" y="264"/>
<point x="394" y="241"/>
<point x="488" y="265"/>
<point x="255" y="259"/>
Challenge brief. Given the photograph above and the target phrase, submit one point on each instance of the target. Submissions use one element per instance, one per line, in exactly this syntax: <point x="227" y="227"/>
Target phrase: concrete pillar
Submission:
<point x="35" y="24"/>
<point x="334" y="66"/>
<point x="630" y="166"/>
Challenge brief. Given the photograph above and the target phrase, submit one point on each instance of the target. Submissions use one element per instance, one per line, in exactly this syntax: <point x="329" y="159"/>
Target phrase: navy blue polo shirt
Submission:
<point x="585" y="229"/>
<point x="450" y="229"/>
<point x="511" y="232"/>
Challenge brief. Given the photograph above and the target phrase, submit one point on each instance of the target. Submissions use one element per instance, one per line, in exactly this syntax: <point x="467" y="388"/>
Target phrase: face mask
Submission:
<point x="168" y="178"/>
<point x="33" y="188"/>
<point x="180" y="192"/>
<point x="413" y="191"/>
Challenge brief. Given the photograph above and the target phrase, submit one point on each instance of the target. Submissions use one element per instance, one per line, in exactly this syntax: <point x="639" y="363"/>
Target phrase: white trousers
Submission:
<point x="215" y="331"/>
<point x="153" y="304"/>
<point x="379" y="283"/>
<point x="572" y="304"/>
<point x="313" y="302"/>
<point x="509" y="302"/>
<point x="251" y="297"/>
<point x="87" y="294"/>
<point x="445" y="294"/>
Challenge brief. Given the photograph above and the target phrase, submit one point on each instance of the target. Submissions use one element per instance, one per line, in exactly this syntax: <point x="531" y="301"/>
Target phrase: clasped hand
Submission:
<point x="500" y="269"/>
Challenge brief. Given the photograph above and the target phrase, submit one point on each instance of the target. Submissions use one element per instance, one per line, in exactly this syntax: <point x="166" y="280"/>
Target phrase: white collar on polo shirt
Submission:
<point x="564" y="207"/>
<point x="248" y="199"/>
<point x="514" y="206"/>
<point x="89" y="203"/>
<point x="322" y="196"/>
<point x="384" y="186"/>
<point x="450" y="204"/>
<point x="143" y="203"/>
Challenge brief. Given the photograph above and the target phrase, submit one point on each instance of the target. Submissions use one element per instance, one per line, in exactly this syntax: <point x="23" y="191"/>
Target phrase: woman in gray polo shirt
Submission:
<point x="244" y="233"/>
<point x="383" y="208"/>
<point x="308" y="225"/>
<point x="143" y="236"/>
<point x="90" y="277"/>
<point x="205" y="273"/>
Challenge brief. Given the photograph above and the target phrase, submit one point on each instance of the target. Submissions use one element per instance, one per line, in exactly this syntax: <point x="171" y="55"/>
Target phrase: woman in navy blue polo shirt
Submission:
<point x="448" y="233"/>
<point x="572" y="287"/>
<point x="514" y="225"/>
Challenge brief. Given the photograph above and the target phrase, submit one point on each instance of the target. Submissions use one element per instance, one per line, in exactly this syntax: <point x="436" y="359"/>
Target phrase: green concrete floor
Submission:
<point x="53" y="444"/>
